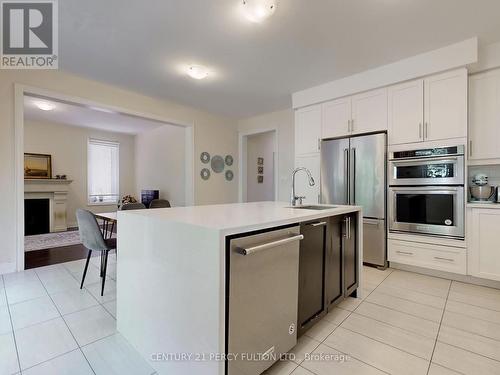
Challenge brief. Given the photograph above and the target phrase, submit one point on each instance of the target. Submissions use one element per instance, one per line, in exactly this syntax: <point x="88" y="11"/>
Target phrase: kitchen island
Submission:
<point x="173" y="277"/>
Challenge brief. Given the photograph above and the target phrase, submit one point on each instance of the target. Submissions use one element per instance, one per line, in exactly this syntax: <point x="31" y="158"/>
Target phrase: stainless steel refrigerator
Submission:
<point x="353" y="171"/>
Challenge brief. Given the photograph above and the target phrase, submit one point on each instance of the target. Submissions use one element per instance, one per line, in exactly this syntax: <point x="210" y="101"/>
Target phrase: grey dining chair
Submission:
<point x="159" y="203"/>
<point x="93" y="240"/>
<point x="133" y="206"/>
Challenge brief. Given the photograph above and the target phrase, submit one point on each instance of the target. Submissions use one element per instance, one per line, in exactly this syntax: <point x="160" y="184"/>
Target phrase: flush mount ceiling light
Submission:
<point x="45" y="106"/>
<point x="197" y="71"/>
<point x="259" y="10"/>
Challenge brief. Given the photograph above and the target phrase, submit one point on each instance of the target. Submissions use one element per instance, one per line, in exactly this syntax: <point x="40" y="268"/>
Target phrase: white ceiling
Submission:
<point x="142" y="45"/>
<point x="76" y="115"/>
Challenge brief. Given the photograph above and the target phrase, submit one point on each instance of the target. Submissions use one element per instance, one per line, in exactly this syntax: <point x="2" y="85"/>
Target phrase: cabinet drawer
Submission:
<point x="442" y="258"/>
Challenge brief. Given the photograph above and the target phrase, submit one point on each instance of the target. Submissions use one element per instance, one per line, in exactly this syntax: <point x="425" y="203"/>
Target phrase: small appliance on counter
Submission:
<point x="497" y="195"/>
<point x="481" y="191"/>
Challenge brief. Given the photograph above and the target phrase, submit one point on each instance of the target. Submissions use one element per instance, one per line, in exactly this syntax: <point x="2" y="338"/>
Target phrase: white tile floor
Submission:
<point x="49" y="326"/>
<point x="406" y="323"/>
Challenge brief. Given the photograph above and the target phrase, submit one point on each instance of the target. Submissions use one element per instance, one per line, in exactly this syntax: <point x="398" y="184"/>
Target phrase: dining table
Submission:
<point x="109" y="220"/>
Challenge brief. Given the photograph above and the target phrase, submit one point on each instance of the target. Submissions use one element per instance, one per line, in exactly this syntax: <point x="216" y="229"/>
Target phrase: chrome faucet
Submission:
<point x="293" y="197"/>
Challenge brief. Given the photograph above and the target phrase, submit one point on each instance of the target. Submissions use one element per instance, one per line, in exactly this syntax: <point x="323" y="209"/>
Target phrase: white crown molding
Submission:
<point x="450" y="57"/>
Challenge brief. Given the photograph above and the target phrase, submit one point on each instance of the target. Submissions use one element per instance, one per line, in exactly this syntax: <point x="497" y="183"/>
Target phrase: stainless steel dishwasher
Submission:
<point x="263" y="295"/>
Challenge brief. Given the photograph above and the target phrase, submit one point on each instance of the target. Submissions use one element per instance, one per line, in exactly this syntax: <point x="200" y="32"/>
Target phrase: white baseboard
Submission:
<point x="7" y="268"/>
<point x="447" y="275"/>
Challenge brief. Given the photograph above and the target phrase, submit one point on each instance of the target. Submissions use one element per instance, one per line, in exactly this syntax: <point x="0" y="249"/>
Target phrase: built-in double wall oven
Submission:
<point x="426" y="191"/>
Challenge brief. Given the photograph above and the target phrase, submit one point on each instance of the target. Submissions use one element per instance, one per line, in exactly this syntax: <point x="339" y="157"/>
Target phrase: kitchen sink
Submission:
<point x="313" y="207"/>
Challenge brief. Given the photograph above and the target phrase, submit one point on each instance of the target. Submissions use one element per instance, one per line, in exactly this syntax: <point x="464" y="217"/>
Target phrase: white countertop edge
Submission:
<point x="277" y="223"/>
<point x="483" y="205"/>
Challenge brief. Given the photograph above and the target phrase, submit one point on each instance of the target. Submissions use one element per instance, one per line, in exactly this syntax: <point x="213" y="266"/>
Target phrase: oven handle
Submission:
<point x="425" y="189"/>
<point x="426" y="160"/>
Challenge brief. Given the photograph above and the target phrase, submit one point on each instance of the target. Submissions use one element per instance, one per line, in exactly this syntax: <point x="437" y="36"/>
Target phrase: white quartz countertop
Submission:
<point x="239" y="217"/>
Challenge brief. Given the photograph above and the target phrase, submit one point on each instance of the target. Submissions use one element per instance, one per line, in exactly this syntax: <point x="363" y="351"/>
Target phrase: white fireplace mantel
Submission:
<point x="57" y="192"/>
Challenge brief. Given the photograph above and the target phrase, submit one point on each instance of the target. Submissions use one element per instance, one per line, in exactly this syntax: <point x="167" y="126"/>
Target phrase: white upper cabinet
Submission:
<point x="434" y="108"/>
<point x="307" y="130"/>
<point x="302" y="187"/>
<point x="484" y="116"/>
<point x="336" y="118"/>
<point x="362" y="113"/>
<point x="406" y="112"/>
<point x="369" y="112"/>
<point x="445" y="107"/>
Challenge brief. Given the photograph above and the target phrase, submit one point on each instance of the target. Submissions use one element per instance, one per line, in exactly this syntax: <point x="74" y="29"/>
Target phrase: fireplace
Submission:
<point x="45" y="203"/>
<point x="36" y="216"/>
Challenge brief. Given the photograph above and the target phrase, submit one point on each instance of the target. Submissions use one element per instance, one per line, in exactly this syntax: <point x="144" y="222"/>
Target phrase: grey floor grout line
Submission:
<point x="67" y="326"/>
<point x="439" y="329"/>
<point x="11" y="324"/>
<point x="392" y="325"/>
<point x="403" y="312"/>
<point x="406" y="299"/>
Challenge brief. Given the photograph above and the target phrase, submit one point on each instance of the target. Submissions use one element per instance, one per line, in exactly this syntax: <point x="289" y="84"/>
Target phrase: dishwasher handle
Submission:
<point x="268" y="245"/>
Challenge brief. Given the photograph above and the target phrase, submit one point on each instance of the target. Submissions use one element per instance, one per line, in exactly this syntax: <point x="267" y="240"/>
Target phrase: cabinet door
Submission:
<point x="335" y="118"/>
<point x="369" y="112"/>
<point x="311" y="271"/>
<point x="484" y="253"/>
<point x="350" y="255"/>
<point x="302" y="188"/>
<point x="484" y="115"/>
<point x="445" y="106"/>
<point x="406" y="112"/>
<point x="333" y="263"/>
<point x="307" y="130"/>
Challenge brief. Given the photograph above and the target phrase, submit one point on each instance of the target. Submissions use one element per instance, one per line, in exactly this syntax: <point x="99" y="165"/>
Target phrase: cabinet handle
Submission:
<point x="321" y="223"/>
<point x="426" y="130"/>
<point x="470" y="148"/>
<point x="348" y="126"/>
<point x="352" y="125"/>
<point x="404" y="252"/>
<point x="447" y="259"/>
<point x="420" y="131"/>
<point x="319" y="144"/>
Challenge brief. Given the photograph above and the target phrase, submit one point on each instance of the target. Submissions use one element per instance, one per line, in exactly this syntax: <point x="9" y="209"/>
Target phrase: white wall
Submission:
<point x="260" y="146"/>
<point x="159" y="163"/>
<point x="68" y="147"/>
<point x="283" y="121"/>
<point x="211" y="132"/>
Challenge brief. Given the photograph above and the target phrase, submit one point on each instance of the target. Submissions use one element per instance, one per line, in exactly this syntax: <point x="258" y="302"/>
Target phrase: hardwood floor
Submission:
<point x="46" y="257"/>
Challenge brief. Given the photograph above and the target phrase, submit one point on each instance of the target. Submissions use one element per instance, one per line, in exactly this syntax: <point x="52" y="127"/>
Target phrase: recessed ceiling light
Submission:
<point x="197" y="71"/>
<point x="259" y="10"/>
<point x="45" y="106"/>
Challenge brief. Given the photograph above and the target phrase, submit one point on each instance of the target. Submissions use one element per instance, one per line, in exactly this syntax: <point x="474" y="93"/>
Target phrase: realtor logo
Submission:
<point x="29" y="34"/>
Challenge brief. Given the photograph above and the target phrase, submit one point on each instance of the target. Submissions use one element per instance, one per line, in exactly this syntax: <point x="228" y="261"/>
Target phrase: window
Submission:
<point x="103" y="172"/>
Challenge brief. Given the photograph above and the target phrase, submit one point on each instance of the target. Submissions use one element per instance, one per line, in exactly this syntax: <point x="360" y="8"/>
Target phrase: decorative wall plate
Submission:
<point x="217" y="164"/>
<point x="205" y="157"/>
<point x="205" y="174"/>
<point x="229" y="175"/>
<point x="229" y="160"/>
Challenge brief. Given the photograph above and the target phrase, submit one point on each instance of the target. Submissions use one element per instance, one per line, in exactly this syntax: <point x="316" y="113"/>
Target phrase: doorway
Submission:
<point x="34" y="126"/>
<point x="258" y="159"/>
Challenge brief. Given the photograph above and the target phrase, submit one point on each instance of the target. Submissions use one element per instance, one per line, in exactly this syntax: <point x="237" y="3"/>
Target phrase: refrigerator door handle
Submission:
<point x="346" y="174"/>
<point x="353" y="173"/>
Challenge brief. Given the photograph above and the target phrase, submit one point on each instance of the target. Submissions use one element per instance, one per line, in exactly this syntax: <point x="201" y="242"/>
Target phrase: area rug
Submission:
<point x="51" y="240"/>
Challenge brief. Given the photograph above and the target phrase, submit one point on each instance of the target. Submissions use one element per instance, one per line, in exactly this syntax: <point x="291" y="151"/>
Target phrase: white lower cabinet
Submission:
<point x="437" y="257"/>
<point x="302" y="187"/>
<point x="484" y="243"/>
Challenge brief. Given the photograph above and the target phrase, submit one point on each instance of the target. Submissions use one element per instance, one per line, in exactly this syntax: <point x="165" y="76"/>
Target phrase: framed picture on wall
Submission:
<point x="260" y="161"/>
<point x="260" y="169"/>
<point x="37" y="166"/>
<point x="260" y="179"/>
